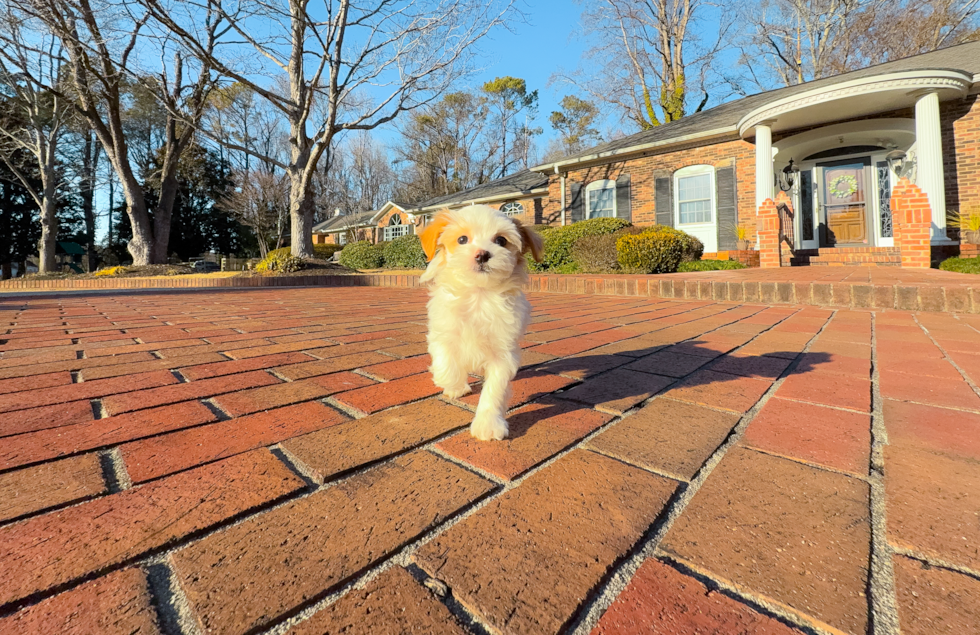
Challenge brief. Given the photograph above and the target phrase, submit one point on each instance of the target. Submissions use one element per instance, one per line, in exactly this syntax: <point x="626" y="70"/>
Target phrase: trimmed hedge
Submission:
<point x="597" y="254"/>
<point x="961" y="265"/>
<point x="362" y="255"/>
<point x="653" y="251"/>
<point x="559" y="241"/>
<point x="709" y="265"/>
<point x="405" y="251"/>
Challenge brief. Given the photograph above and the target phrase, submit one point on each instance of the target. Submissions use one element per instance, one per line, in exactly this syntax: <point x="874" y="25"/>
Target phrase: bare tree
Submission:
<point x="649" y="56"/>
<point x="794" y="41"/>
<point x="101" y="43"/>
<point x="360" y="178"/>
<point x="260" y="201"/>
<point x="789" y="42"/>
<point x="446" y="147"/>
<point x="892" y="30"/>
<point x="347" y="66"/>
<point x="34" y="120"/>
<point x="237" y="116"/>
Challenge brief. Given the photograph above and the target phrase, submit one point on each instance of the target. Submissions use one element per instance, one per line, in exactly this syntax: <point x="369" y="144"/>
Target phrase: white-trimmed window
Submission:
<point x="512" y="209"/>
<point x="694" y="195"/>
<point x="395" y="228"/>
<point x="600" y="199"/>
<point x="342" y="238"/>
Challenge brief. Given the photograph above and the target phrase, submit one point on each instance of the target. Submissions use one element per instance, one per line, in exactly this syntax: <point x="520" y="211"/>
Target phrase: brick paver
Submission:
<point x="280" y="459"/>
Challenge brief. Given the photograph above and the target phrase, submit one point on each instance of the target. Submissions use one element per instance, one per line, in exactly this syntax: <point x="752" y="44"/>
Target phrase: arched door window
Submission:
<point x="395" y="228"/>
<point x="512" y="209"/>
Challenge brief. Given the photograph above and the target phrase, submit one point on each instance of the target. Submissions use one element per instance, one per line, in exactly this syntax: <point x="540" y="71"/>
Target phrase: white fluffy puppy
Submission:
<point x="477" y="311"/>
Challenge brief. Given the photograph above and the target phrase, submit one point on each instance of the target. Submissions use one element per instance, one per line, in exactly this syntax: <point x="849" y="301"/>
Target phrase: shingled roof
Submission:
<point x="517" y="184"/>
<point x="345" y="221"/>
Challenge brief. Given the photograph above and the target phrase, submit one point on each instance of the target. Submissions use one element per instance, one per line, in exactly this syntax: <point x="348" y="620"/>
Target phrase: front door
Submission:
<point x="844" y="189"/>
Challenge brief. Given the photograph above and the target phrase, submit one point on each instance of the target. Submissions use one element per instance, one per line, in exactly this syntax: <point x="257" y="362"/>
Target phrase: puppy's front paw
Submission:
<point x="457" y="391"/>
<point x="489" y="428"/>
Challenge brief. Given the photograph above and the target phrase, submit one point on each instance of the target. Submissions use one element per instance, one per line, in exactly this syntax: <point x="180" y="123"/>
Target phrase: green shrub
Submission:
<point x="281" y="260"/>
<point x="559" y="241"/>
<point x="325" y="252"/>
<point x="691" y="248"/>
<point x="405" y="251"/>
<point x="709" y="265"/>
<point x="597" y="254"/>
<point x="961" y="265"/>
<point x="362" y="255"/>
<point x="650" y="252"/>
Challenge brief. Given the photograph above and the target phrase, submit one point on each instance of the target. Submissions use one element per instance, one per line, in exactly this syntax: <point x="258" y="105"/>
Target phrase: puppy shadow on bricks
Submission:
<point x="558" y="392"/>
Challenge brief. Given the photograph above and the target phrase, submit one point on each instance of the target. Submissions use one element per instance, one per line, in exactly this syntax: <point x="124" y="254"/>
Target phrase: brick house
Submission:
<point x="390" y="221"/>
<point x="836" y="147"/>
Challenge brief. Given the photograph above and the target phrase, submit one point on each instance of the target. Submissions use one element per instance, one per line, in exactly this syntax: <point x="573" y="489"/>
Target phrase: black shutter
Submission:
<point x="576" y="203"/>
<point x="727" y="212"/>
<point x="664" y="201"/>
<point x="624" y="209"/>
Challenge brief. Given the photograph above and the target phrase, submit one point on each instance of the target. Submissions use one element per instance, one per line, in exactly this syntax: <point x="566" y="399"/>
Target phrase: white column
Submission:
<point x="929" y="159"/>
<point x="764" y="184"/>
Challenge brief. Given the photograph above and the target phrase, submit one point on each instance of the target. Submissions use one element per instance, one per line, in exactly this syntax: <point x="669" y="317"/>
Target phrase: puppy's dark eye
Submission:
<point x="462" y="240"/>
<point x="500" y="240"/>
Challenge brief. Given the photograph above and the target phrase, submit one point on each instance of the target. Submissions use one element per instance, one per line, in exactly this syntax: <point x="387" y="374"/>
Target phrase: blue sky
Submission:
<point x="550" y="39"/>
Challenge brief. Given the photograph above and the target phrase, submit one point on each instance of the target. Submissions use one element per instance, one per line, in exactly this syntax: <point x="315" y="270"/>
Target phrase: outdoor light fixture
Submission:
<point x="896" y="162"/>
<point x="787" y="178"/>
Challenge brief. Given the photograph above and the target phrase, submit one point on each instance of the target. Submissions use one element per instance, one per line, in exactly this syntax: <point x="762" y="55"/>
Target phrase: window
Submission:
<point x="695" y="194"/>
<point x="342" y="238"/>
<point x="600" y="199"/>
<point x="512" y="209"/>
<point x="395" y="228"/>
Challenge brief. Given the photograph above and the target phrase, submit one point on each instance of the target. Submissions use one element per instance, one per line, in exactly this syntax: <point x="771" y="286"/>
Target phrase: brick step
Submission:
<point x="855" y="264"/>
<point x="824" y="251"/>
<point x="857" y="258"/>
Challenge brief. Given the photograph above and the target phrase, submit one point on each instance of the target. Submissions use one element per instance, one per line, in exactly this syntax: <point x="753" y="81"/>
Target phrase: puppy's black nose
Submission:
<point x="482" y="256"/>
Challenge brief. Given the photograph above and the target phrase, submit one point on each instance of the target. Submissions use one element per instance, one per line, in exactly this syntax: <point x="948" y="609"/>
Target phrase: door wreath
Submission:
<point x="843" y="186"/>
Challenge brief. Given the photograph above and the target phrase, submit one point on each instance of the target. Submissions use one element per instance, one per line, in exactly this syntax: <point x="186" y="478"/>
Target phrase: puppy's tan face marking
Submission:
<point x="477" y="245"/>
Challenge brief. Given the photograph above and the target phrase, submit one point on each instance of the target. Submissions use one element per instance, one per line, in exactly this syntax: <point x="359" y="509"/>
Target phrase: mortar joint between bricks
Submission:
<point x="590" y="612"/>
<point x="966" y="377"/>
<point x="114" y="471"/>
<point x="881" y="592"/>
<point x="173" y="609"/>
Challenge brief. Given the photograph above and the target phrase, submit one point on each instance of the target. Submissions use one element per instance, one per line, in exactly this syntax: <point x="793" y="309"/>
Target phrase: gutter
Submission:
<point x="623" y="153"/>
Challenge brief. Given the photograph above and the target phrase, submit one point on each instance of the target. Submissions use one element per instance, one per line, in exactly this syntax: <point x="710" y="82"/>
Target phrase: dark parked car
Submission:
<point x="206" y="266"/>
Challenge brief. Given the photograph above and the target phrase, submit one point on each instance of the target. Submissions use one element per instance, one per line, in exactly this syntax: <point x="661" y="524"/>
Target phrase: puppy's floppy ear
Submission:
<point x="530" y="241"/>
<point x="430" y="234"/>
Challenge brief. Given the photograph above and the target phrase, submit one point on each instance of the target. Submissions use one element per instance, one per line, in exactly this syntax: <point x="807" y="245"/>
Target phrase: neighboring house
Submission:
<point x="386" y="223"/>
<point x="837" y="146"/>
<point x="523" y="195"/>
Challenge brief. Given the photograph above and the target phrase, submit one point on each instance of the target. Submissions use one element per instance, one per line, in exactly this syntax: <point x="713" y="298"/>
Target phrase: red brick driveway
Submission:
<point x="279" y="461"/>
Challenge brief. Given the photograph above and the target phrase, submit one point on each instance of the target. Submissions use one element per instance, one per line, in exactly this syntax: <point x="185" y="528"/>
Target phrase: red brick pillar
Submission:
<point x="767" y="228"/>
<point x="912" y="224"/>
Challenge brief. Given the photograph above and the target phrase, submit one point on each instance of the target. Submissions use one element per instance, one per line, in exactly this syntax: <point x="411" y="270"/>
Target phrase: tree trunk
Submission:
<point x="141" y="244"/>
<point x="90" y="160"/>
<point x="162" y="216"/>
<point x="300" y="215"/>
<point x="49" y="224"/>
<point x="6" y="271"/>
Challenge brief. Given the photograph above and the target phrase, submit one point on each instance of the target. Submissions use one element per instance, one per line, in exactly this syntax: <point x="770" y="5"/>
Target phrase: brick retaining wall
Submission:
<point x="923" y="294"/>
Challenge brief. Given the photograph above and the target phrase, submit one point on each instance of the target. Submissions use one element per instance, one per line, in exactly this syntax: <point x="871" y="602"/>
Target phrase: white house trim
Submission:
<point x="949" y="82"/>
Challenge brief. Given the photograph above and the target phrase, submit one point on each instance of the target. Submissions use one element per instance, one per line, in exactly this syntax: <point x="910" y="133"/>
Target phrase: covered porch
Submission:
<point x="832" y="158"/>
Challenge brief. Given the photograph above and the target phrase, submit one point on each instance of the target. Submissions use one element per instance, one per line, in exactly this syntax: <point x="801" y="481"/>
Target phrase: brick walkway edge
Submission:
<point x="923" y="294"/>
